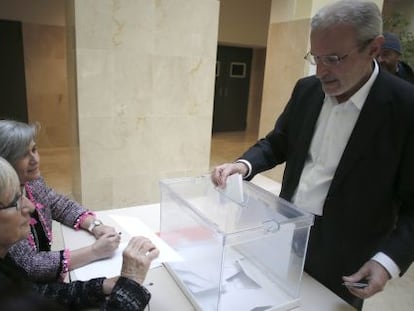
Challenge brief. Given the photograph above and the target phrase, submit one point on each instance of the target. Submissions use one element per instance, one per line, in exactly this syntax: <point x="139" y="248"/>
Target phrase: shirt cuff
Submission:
<point x="388" y="264"/>
<point x="248" y="165"/>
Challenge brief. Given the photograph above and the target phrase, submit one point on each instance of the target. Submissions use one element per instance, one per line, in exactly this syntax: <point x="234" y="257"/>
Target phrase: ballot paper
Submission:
<point x="234" y="188"/>
<point x="112" y="266"/>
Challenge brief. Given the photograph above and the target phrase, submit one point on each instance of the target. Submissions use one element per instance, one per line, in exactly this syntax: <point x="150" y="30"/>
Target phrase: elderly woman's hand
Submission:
<point x="106" y="245"/>
<point x="99" y="231"/>
<point x="137" y="258"/>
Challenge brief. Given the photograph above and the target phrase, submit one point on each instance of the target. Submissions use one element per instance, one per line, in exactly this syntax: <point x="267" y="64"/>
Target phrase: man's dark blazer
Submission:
<point x="370" y="203"/>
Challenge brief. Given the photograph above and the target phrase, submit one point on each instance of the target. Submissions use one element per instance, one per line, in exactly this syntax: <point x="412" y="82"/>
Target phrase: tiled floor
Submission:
<point x="225" y="147"/>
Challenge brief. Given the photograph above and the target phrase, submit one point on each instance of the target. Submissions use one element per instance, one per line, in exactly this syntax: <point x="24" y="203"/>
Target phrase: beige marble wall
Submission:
<point x="145" y="86"/>
<point x="287" y="44"/>
<point x="46" y="82"/>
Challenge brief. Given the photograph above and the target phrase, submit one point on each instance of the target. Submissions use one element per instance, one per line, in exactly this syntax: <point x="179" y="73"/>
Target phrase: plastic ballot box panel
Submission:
<point x="243" y="252"/>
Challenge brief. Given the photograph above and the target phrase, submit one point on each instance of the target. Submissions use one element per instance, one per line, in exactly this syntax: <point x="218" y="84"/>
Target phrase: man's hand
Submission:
<point x="376" y="276"/>
<point x="220" y="173"/>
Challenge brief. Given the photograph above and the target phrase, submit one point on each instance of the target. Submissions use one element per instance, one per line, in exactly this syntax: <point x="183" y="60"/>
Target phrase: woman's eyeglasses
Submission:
<point x="17" y="202"/>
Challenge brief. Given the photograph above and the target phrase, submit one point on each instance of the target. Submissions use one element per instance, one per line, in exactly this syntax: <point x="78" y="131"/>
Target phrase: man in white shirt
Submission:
<point x="346" y="137"/>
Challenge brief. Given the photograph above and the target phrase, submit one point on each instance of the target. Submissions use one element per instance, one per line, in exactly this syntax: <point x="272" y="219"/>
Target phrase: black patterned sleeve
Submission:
<point x="74" y="295"/>
<point x="126" y="295"/>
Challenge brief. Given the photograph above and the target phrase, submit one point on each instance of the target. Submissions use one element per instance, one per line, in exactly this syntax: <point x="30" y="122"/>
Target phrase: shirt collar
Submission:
<point x="358" y="99"/>
<point x="361" y="95"/>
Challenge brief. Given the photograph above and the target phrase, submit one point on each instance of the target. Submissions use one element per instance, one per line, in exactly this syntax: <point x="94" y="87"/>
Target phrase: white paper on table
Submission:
<point x="112" y="266"/>
<point x="134" y="226"/>
<point x="109" y="267"/>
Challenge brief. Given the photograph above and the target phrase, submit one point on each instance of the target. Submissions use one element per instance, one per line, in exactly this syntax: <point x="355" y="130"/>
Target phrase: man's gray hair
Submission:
<point x="8" y="178"/>
<point x="15" y="138"/>
<point x="364" y="16"/>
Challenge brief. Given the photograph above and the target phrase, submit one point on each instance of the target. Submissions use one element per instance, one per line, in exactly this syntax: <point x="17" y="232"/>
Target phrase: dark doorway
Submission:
<point x="232" y="88"/>
<point x="13" y="104"/>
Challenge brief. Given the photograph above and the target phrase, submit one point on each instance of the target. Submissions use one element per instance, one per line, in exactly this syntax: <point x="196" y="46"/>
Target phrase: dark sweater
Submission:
<point x="126" y="295"/>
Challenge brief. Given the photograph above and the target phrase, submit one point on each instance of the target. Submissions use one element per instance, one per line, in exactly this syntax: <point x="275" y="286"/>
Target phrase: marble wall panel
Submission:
<point x="145" y="86"/>
<point x="287" y="45"/>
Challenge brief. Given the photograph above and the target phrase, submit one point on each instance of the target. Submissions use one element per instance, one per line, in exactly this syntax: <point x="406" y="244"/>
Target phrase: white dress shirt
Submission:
<point x="333" y="128"/>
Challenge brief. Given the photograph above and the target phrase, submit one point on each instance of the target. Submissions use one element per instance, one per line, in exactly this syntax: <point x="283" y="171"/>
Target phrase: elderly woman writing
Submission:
<point x="33" y="254"/>
<point x="122" y="293"/>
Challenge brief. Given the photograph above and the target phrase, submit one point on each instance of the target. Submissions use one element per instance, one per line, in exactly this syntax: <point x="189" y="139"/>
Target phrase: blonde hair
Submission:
<point x="8" y="178"/>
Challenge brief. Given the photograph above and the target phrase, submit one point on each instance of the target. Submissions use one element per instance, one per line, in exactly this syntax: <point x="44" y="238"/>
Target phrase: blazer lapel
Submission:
<point x="307" y="130"/>
<point x="309" y="124"/>
<point x="370" y="119"/>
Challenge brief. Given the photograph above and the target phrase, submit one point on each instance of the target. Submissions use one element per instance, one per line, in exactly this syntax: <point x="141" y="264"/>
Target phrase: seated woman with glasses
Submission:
<point x="33" y="254"/>
<point x="122" y="293"/>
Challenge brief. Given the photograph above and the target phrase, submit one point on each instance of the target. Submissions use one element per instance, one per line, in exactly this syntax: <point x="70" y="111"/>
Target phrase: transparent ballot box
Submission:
<point x="245" y="254"/>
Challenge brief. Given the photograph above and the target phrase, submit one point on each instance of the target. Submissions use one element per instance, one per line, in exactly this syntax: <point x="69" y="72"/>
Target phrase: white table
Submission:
<point x="166" y="295"/>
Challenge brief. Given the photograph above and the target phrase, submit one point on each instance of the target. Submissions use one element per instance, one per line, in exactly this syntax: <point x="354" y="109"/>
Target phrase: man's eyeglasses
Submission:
<point x="17" y="201"/>
<point x="332" y="60"/>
